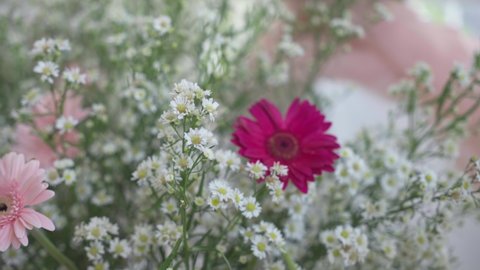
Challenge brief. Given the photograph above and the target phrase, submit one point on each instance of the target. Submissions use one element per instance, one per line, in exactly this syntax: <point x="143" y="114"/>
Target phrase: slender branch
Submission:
<point x="53" y="250"/>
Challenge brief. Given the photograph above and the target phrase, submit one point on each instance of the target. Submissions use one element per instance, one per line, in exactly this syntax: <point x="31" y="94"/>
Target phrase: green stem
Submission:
<point x="52" y="250"/>
<point x="289" y="263"/>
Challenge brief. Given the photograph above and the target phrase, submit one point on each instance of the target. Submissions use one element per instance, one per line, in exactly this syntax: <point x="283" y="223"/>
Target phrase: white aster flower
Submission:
<point x="182" y="107"/>
<point x="210" y="107"/>
<point x="257" y="170"/>
<point x="47" y="69"/>
<point x="95" y="251"/>
<point x="279" y="169"/>
<point x="69" y="176"/>
<point x="260" y="246"/>
<point x="65" y="124"/>
<point x="250" y="207"/>
<point x="220" y="189"/>
<point x="162" y="24"/>
<point x="73" y="76"/>
<point x="119" y="248"/>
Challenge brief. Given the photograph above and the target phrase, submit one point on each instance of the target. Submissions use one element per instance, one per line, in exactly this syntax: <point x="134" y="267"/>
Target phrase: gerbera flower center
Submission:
<point x="5" y="205"/>
<point x="283" y="146"/>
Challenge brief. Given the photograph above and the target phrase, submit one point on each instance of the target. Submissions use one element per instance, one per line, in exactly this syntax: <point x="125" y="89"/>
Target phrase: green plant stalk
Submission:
<point x="289" y="263"/>
<point x="52" y="250"/>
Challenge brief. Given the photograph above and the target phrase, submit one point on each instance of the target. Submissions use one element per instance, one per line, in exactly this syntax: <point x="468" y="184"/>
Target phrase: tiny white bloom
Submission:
<point x="162" y="24"/>
<point x="69" y="176"/>
<point x="250" y="207"/>
<point x="73" y="75"/>
<point x="47" y="69"/>
<point x="257" y="170"/>
<point x="65" y="124"/>
<point x="279" y="169"/>
<point x="119" y="248"/>
<point x="260" y="246"/>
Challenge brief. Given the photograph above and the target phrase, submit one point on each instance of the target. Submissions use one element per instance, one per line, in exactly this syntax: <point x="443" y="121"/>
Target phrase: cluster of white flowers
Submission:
<point x="264" y="238"/>
<point x="189" y="100"/>
<point x="49" y="46"/>
<point x="74" y="76"/>
<point x="221" y="194"/>
<point x="153" y="170"/>
<point x="168" y="233"/>
<point x="101" y="237"/>
<point x="143" y="238"/>
<point x="62" y="172"/>
<point x="347" y="244"/>
<point x="343" y="28"/>
<point x="352" y="171"/>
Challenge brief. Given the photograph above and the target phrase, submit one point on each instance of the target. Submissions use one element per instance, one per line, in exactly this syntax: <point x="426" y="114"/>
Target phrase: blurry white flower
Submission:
<point x="47" y="69"/>
<point x="73" y="75"/>
<point x="257" y="170"/>
<point x="65" y="124"/>
<point x="162" y="24"/>
<point x="250" y="207"/>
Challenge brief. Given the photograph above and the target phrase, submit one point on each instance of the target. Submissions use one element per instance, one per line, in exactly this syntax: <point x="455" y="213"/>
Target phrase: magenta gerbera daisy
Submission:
<point x="298" y="141"/>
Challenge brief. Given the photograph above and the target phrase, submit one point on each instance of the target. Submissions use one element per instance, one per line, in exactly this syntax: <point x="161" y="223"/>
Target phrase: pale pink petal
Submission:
<point x="5" y="240"/>
<point x="28" y="215"/>
<point x="43" y="196"/>
<point x="47" y="224"/>
<point x="19" y="229"/>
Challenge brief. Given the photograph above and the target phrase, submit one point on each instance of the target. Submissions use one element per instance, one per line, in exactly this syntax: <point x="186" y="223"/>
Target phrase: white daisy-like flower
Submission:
<point x="200" y="138"/>
<point x="279" y="169"/>
<point x="142" y="173"/>
<point x="275" y="188"/>
<point x="257" y="170"/>
<point x="43" y="46"/>
<point x="69" y="176"/>
<point x="216" y="203"/>
<point x="65" y="124"/>
<point x="210" y="107"/>
<point x="247" y="234"/>
<point x="250" y="207"/>
<point x="329" y="239"/>
<point x="95" y="251"/>
<point x="227" y="160"/>
<point x="220" y="189"/>
<point x="275" y="236"/>
<point x="74" y="76"/>
<point x="182" y="107"/>
<point x="162" y="24"/>
<point x="260" y="246"/>
<point x="237" y="198"/>
<point x="119" y="248"/>
<point x="47" y="69"/>
<point x="345" y="234"/>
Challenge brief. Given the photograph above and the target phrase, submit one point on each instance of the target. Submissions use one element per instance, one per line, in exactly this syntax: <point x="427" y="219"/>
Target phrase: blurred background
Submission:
<point x="371" y="107"/>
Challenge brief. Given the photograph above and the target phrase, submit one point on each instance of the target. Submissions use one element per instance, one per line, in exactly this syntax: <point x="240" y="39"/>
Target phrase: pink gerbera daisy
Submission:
<point x="21" y="185"/>
<point x="299" y="141"/>
<point x="30" y="144"/>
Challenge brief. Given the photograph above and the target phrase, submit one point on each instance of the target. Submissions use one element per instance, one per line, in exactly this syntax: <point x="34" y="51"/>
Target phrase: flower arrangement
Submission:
<point x="130" y="143"/>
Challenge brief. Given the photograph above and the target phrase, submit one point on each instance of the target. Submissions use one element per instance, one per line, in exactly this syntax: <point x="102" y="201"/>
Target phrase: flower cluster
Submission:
<point x="346" y="244"/>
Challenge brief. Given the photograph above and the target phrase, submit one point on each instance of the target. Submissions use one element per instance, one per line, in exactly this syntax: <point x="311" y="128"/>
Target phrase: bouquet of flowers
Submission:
<point x="190" y="135"/>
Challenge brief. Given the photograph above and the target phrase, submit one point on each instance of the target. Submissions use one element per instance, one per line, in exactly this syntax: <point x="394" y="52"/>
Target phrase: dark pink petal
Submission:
<point x="267" y="115"/>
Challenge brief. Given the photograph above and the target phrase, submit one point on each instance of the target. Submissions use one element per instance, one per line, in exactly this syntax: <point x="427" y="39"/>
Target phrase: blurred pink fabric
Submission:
<point x="32" y="146"/>
<point x="390" y="48"/>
